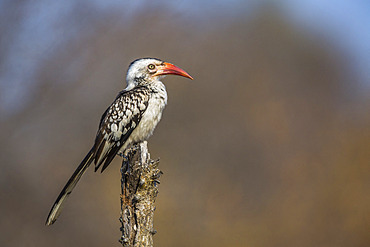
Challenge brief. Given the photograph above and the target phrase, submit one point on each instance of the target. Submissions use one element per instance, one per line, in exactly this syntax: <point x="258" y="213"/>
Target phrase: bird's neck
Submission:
<point x="156" y="85"/>
<point x="158" y="90"/>
<point x="153" y="85"/>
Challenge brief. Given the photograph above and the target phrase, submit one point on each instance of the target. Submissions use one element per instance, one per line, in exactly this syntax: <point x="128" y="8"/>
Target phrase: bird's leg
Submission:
<point x="128" y="151"/>
<point x="135" y="147"/>
<point x="122" y="155"/>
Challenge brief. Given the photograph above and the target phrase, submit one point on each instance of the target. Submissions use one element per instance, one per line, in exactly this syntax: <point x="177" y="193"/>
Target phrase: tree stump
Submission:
<point x="139" y="190"/>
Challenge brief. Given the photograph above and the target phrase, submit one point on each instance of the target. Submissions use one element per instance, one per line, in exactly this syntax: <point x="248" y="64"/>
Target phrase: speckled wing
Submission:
<point x="117" y="124"/>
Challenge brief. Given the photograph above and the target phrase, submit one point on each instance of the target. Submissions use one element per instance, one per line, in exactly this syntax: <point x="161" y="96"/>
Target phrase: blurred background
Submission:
<point x="268" y="146"/>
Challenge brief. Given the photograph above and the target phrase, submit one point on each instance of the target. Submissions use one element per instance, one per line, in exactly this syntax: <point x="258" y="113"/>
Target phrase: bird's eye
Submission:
<point x="151" y="66"/>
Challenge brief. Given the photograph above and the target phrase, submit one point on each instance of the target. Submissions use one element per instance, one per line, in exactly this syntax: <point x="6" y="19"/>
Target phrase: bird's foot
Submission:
<point x="122" y="155"/>
<point x="135" y="147"/>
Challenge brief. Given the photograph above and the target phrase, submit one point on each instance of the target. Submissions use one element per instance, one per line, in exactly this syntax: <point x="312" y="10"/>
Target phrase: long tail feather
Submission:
<point x="81" y="169"/>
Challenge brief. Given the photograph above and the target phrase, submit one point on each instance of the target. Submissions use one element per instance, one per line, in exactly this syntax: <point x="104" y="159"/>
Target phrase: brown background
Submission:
<point x="268" y="146"/>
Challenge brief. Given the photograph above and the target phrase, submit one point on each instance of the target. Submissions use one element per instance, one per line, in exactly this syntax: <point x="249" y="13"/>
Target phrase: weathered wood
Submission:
<point x="139" y="189"/>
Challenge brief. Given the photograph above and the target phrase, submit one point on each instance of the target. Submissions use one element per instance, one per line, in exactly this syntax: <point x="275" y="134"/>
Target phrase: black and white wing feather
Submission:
<point x="116" y="125"/>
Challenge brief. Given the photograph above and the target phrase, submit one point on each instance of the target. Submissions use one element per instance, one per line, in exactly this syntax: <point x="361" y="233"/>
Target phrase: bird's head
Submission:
<point x="147" y="70"/>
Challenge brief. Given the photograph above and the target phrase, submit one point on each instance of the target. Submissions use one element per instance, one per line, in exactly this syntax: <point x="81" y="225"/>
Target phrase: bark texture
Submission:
<point x="139" y="190"/>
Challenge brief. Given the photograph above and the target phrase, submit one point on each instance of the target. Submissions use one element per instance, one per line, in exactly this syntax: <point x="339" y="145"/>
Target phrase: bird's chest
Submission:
<point x="151" y="117"/>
